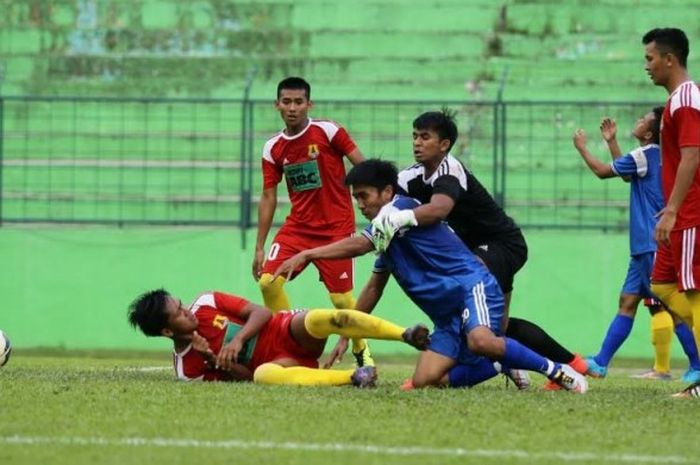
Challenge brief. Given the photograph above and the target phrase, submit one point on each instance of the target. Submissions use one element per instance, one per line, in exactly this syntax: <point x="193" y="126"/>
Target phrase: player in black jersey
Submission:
<point x="452" y="193"/>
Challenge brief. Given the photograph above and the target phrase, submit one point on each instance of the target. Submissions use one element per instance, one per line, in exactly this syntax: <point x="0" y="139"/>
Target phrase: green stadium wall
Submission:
<point x="70" y="287"/>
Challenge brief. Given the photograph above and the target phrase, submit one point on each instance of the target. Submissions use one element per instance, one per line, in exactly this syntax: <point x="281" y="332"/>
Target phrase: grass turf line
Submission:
<point x="92" y="409"/>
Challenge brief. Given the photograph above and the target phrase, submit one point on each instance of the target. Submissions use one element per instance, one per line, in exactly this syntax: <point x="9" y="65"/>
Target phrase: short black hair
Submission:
<point x="442" y="122"/>
<point x="294" y="83"/>
<point x="669" y="40"/>
<point x="148" y="312"/>
<point x="656" y="124"/>
<point x="374" y="173"/>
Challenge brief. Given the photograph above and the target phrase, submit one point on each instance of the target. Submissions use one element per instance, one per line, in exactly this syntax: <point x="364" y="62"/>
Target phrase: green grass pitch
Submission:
<point x="126" y="408"/>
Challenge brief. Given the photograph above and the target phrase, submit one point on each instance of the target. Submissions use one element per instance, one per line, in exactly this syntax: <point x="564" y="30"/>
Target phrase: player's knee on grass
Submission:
<point x="425" y="378"/>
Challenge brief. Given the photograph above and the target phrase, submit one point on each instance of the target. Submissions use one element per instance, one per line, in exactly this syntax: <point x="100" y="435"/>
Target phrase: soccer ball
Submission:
<point x="5" y="348"/>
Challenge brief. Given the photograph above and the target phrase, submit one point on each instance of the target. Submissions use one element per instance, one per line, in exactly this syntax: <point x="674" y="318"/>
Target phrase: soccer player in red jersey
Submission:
<point x="676" y="273"/>
<point x="222" y="337"/>
<point x="309" y="154"/>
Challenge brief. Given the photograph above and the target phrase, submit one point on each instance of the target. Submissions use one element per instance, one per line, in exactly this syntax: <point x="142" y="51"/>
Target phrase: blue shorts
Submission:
<point x="638" y="281"/>
<point x="483" y="306"/>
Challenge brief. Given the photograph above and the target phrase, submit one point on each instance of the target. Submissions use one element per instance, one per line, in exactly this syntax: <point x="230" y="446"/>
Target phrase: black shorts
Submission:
<point x="503" y="257"/>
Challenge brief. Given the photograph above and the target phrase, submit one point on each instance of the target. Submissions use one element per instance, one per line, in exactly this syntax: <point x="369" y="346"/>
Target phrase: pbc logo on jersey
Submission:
<point x="313" y="151"/>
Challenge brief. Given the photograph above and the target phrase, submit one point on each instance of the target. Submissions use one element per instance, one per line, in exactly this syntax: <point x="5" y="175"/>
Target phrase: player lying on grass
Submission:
<point x="222" y="337"/>
<point x="446" y="280"/>
<point x="642" y="169"/>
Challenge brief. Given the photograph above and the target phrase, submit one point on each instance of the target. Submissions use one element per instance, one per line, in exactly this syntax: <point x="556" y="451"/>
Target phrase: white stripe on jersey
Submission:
<point x="449" y="165"/>
<point x="179" y="365"/>
<point x="640" y="159"/>
<point x="267" y="148"/>
<point x="204" y="300"/>
<point x="482" y="309"/>
<point x="687" y="253"/>
<point x="329" y="127"/>
<point x="687" y="95"/>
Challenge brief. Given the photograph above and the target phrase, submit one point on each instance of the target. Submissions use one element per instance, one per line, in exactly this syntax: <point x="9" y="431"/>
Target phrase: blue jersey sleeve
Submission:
<point x="634" y="163"/>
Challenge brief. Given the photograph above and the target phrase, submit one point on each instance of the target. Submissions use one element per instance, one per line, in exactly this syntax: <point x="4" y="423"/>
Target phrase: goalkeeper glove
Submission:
<point x="387" y="224"/>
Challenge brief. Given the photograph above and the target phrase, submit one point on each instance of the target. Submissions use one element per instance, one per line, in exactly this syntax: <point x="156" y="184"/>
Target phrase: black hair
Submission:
<point x="294" y="83"/>
<point x="656" y="124"/>
<point x="669" y="40"/>
<point x="442" y="122"/>
<point x="148" y="312"/>
<point x="374" y="173"/>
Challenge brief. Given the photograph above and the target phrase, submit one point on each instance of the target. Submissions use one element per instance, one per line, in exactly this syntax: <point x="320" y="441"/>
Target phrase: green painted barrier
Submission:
<point x="70" y="287"/>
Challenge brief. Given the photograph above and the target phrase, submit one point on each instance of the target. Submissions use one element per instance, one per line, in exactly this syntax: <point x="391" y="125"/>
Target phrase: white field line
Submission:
<point x="341" y="447"/>
<point x="153" y="368"/>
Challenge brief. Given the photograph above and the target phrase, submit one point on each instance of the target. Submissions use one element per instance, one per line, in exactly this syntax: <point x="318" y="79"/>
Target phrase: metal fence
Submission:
<point x="197" y="161"/>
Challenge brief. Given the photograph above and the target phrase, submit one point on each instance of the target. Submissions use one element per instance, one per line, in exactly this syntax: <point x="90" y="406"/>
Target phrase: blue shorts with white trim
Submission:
<point x="483" y="306"/>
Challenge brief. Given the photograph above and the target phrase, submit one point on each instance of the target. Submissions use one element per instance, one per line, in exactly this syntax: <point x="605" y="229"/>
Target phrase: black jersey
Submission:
<point x="476" y="217"/>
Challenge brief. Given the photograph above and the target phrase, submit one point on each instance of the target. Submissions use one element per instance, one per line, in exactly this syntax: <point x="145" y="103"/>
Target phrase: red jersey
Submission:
<point x="219" y="321"/>
<point x="680" y="127"/>
<point x="312" y="164"/>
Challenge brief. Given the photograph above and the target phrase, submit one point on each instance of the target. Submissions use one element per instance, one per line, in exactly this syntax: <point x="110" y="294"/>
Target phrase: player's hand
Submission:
<point x="387" y="223"/>
<point x="228" y="355"/>
<point x="202" y="346"/>
<point x="662" y="232"/>
<point x="608" y="129"/>
<point x="337" y="353"/>
<point x="287" y="267"/>
<point x="258" y="261"/>
<point x="580" y="139"/>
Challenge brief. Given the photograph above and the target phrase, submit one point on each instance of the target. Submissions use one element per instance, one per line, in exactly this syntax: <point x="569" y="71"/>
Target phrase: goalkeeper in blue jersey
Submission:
<point x="642" y="169"/>
<point x="446" y="280"/>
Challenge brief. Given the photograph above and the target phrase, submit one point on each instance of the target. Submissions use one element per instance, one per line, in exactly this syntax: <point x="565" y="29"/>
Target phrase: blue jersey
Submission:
<point x="643" y="166"/>
<point x="432" y="265"/>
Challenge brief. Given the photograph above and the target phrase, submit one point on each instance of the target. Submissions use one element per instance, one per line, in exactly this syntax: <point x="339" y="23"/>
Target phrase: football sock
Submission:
<point x="273" y="293"/>
<point x="471" y="375"/>
<point x="322" y="323"/>
<point x="685" y="337"/>
<point x="535" y="338"/>
<point x="618" y="331"/>
<point x="661" y="337"/>
<point x="518" y="356"/>
<point x="271" y="373"/>
<point x="344" y="300"/>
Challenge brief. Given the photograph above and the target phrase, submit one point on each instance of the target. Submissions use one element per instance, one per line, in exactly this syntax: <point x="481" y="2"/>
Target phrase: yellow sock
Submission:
<point x="271" y="373"/>
<point x="345" y="300"/>
<point x="677" y="301"/>
<point x="661" y="337"/>
<point x="273" y="292"/>
<point x="321" y="323"/>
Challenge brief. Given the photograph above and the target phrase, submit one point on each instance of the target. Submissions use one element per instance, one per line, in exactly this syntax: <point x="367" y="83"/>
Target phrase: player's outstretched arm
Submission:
<point x="600" y="169"/>
<point x="266" y="211"/>
<point x="436" y="210"/>
<point x="608" y="129"/>
<point x="346" y="248"/>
